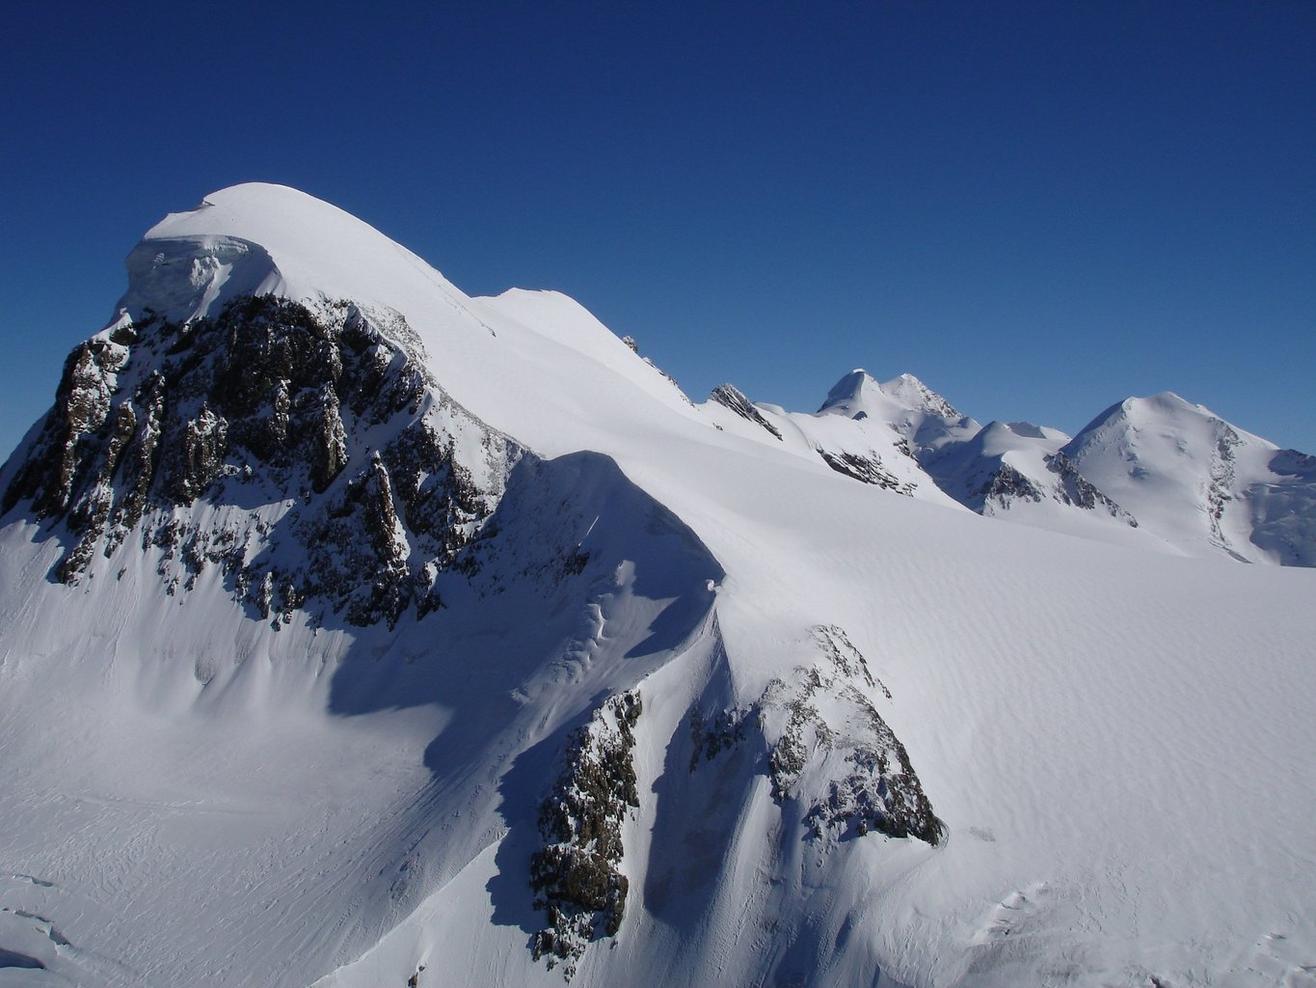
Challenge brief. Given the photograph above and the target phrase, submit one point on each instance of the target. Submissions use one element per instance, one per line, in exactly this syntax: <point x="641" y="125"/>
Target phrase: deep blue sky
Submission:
<point x="1037" y="208"/>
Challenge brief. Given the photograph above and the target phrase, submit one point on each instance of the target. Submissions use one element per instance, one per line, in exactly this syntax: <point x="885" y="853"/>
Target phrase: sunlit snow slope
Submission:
<point x="328" y="627"/>
<point x="1200" y="482"/>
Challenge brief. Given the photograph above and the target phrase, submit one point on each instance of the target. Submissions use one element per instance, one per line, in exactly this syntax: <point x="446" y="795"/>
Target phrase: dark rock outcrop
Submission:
<point x="1005" y="484"/>
<point x="847" y="767"/>
<point x="575" y="874"/>
<point x="266" y="412"/>
<point x="729" y="396"/>
<point x="865" y="469"/>
<point x="1077" y="490"/>
<point x="71" y="435"/>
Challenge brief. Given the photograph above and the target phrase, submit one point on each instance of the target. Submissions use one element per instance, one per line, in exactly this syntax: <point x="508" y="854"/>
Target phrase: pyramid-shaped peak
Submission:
<point x="908" y="391"/>
<point x="847" y="393"/>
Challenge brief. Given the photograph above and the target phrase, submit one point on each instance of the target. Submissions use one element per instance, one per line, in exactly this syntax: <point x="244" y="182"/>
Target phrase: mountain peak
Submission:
<point x="1167" y="400"/>
<point x="904" y="390"/>
<point x="259" y="238"/>
<point x="262" y="212"/>
<point x="910" y="392"/>
<point x="1140" y="411"/>
<point x="846" y="394"/>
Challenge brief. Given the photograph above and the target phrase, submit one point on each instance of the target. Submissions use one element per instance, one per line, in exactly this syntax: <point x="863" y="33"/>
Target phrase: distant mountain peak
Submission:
<point x="858" y="392"/>
<point x="848" y="391"/>
<point x="1164" y="410"/>
<point x="910" y="392"/>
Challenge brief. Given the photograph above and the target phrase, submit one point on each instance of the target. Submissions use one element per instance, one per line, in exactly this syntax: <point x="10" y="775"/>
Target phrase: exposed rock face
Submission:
<point x="729" y="396"/>
<point x="198" y="459"/>
<point x="829" y="748"/>
<point x="329" y="443"/>
<point x="575" y="875"/>
<point x="263" y="412"/>
<point x="836" y="646"/>
<point x="1005" y="484"/>
<point x="1077" y="490"/>
<point x="719" y="732"/>
<point x="1222" y="479"/>
<point x="865" y="469"/>
<point x="82" y="406"/>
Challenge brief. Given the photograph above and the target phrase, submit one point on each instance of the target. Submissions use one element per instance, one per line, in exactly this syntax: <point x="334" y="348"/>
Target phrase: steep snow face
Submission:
<point x="1199" y="482"/>
<point x="857" y="716"/>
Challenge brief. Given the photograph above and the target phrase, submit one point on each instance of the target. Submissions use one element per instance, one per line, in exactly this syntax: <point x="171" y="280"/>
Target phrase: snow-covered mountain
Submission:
<point x="870" y="450"/>
<point x="871" y="432"/>
<point x="1156" y="473"/>
<point x="357" y="632"/>
<point x="1201" y="483"/>
<point x="923" y="417"/>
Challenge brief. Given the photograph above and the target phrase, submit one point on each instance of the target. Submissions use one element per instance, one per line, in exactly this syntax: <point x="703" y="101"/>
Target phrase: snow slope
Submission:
<point x="1116" y="741"/>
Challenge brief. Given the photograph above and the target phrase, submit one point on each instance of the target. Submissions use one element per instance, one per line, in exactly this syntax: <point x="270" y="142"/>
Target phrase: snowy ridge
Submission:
<point x="862" y="707"/>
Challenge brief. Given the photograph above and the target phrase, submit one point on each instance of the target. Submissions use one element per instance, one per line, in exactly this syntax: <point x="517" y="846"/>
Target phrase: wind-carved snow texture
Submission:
<point x="575" y="875"/>
<point x="729" y="396"/>
<point x="828" y="748"/>
<point x="267" y="413"/>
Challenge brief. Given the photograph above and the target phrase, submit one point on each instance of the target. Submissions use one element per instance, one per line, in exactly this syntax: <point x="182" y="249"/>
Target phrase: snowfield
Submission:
<point x="881" y="740"/>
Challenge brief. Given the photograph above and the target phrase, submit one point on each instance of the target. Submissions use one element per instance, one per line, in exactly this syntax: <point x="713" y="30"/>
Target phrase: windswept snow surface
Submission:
<point x="1118" y="741"/>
